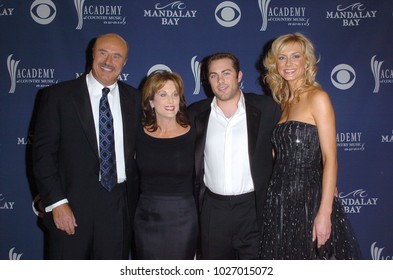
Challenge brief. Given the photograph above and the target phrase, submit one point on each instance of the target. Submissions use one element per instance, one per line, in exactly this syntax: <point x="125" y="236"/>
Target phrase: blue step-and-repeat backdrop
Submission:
<point x="44" y="42"/>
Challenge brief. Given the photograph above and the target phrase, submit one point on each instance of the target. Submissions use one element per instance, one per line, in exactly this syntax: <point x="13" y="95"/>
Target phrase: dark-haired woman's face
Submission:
<point x="166" y="101"/>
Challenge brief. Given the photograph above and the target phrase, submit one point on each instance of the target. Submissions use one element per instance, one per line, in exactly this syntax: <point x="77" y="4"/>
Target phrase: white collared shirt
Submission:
<point x="226" y="159"/>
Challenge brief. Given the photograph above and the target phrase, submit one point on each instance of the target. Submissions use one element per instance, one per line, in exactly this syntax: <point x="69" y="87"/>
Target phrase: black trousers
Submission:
<point x="103" y="231"/>
<point x="229" y="227"/>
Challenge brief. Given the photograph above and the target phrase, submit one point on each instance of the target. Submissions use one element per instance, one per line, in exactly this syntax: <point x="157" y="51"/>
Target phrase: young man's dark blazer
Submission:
<point x="262" y="115"/>
<point x="65" y="150"/>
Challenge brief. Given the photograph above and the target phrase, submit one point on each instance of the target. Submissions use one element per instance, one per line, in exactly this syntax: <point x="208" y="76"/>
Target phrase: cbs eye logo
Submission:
<point x="228" y="14"/>
<point x="343" y="76"/>
<point x="43" y="11"/>
<point x="158" y="67"/>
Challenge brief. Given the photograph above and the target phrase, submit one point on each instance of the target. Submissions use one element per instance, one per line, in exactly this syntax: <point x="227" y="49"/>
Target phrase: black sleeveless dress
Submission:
<point x="293" y="200"/>
<point x="166" y="222"/>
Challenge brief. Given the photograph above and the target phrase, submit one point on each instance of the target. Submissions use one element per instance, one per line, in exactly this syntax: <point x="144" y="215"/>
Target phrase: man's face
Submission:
<point x="109" y="58"/>
<point x="224" y="80"/>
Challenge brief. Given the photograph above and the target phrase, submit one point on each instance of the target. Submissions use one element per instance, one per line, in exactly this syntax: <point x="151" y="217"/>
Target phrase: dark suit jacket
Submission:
<point x="262" y="115"/>
<point x="65" y="151"/>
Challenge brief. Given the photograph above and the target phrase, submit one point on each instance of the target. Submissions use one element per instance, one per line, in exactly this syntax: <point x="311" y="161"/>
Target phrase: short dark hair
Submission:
<point x="221" y="55"/>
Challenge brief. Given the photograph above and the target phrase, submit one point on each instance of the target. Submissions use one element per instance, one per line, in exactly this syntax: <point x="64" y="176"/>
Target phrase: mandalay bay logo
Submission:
<point x="351" y="15"/>
<point x="123" y="77"/>
<point x="5" y="204"/>
<point x="170" y="14"/>
<point x="41" y="77"/>
<point x="106" y="14"/>
<point x="381" y="76"/>
<point x="354" y="201"/>
<point x="292" y="16"/>
<point x="5" y="11"/>
<point x="387" y="138"/>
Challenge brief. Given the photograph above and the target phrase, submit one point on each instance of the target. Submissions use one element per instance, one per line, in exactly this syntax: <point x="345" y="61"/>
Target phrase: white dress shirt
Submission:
<point x="226" y="159"/>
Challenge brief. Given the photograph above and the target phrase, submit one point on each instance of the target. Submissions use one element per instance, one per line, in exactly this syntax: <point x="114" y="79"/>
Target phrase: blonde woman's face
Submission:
<point x="291" y="63"/>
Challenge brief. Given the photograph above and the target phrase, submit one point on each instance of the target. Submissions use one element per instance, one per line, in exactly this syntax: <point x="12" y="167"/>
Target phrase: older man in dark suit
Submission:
<point x="233" y="161"/>
<point x="87" y="212"/>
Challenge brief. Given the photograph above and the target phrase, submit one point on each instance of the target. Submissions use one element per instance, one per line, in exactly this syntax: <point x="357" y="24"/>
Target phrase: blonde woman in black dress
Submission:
<point x="303" y="218"/>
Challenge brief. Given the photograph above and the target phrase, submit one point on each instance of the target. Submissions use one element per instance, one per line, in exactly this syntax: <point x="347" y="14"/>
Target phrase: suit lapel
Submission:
<point x="201" y="122"/>
<point x="253" y="121"/>
<point x="83" y="106"/>
<point x="127" y="105"/>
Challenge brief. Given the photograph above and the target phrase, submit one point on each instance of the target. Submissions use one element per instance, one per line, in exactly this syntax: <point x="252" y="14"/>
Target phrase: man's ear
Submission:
<point x="240" y="76"/>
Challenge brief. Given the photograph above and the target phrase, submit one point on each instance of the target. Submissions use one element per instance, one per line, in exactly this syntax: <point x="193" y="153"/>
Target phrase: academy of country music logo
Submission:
<point x="12" y="255"/>
<point x="195" y="69"/>
<point x="228" y="14"/>
<point x="196" y="72"/>
<point x="40" y="77"/>
<point x="343" y="76"/>
<point x="352" y="14"/>
<point x="290" y="15"/>
<point x="106" y="14"/>
<point x="381" y="75"/>
<point x="170" y="13"/>
<point x="350" y="141"/>
<point x="43" y="11"/>
<point x="354" y="201"/>
<point x="5" y="11"/>
<point x="376" y="253"/>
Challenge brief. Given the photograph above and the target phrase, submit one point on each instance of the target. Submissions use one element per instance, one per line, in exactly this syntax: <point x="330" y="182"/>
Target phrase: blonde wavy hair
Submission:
<point x="277" y="84"/>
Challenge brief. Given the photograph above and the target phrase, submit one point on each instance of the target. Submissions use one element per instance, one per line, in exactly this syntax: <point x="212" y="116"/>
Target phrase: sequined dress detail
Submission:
<point x="293" y="199"/>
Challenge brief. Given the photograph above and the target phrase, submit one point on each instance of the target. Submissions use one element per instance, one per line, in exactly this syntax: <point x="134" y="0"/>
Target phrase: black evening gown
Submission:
<point x="166" y="223"/>
<point x="293" y="200"/>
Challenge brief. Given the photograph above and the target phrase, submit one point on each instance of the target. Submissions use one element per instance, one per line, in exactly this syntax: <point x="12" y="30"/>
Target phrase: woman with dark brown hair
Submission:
<point x="166" y="224"/>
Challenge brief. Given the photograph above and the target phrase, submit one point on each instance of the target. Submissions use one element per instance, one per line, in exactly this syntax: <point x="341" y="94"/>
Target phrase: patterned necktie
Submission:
<point x="107" y="144"/>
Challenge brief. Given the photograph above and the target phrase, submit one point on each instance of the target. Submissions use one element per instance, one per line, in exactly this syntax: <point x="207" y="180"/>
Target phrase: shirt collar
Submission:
<point x="241" y="104"/>
<point x="93" y="83"/>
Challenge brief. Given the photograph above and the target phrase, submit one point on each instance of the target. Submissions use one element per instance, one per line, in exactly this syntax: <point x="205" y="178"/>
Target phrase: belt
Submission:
<point x="240" y="197"/>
